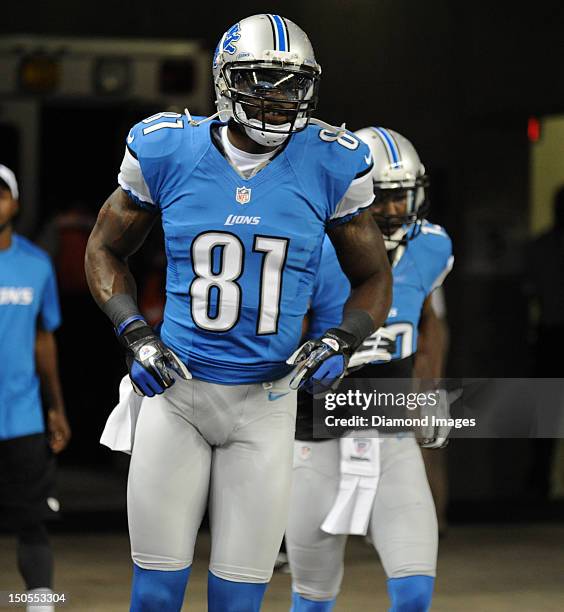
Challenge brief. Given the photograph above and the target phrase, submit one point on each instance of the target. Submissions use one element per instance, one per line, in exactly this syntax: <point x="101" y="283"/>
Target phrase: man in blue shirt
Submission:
<point x="29" y="314"/>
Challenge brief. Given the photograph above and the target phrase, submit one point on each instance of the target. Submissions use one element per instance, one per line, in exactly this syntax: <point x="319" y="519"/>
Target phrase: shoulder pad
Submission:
<point x="158" y="135"/>
<point x="434" y="237"/>
<point x="341" y="154"/>
<point x="432" y="253"/>
<point x="433" y="229"/>
<point x="434" y="240"/>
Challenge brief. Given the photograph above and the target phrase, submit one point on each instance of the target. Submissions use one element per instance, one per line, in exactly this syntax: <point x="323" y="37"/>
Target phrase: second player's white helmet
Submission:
<point x="264" y="67"/>
<point x="397" y="170"/>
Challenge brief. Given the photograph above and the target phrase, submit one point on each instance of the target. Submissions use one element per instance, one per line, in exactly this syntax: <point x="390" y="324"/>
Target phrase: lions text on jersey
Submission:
<point x="242" y="252"/>
<point x="420" y="269"/>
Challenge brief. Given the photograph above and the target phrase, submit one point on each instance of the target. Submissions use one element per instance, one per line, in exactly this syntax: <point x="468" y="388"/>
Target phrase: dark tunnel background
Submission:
<point x="460" y="79"/>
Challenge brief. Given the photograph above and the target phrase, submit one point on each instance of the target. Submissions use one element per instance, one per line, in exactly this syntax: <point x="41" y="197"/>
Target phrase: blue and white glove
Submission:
<point x="321" y="363"/>
<point x="150" y="362"/>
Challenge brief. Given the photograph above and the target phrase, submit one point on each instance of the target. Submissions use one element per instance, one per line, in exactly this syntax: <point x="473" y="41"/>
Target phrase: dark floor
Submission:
<point x="481" y="569"/>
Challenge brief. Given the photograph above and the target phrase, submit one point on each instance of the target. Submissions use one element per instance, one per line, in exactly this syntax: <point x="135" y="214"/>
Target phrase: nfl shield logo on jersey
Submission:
<point x="243" y="195"/>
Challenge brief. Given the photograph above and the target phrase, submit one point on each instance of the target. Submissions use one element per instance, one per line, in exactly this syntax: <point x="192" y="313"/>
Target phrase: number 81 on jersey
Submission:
<point x="228" y="253"/>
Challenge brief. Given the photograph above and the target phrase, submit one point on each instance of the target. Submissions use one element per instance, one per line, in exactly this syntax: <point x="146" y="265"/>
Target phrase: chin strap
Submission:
<point x="395" y="240"/>
<point x="395" y="254"/>
<point x="338" y="131"/>
<point x="197" y="123"/>
<point x="332" y="129"/>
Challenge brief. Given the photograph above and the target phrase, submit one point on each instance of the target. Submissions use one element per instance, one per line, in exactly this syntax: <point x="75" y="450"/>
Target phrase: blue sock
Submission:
<point x="158" y="591"/>
<point x="411" y="593"/>
<point x="301" y="604"/>
<point x="229" y="596"/>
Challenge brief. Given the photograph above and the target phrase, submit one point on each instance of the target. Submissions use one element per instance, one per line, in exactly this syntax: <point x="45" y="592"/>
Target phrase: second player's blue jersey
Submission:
<point x="242" y="253"/>
<point x="420" y="269"/>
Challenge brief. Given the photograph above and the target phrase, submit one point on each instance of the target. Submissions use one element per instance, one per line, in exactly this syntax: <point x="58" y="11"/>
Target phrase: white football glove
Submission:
<point x="380" y="346"/>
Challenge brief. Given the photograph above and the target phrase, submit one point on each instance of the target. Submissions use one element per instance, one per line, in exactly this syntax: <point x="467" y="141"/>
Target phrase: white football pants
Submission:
<point x="232" y="444"/>
<point x="403" y="523"/>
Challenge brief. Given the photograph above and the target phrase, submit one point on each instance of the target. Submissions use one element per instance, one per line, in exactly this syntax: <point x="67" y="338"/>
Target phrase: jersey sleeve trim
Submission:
<point x="131" y="180"/>
<point x="135" y="198"/>
<point x="438" y="302"/>
<point x="362" y="173"/>
<point x="334" y="221"/>
<point x="131" y="152"/>
<point x="441" y="277"/>
<point x="358" y="196"/>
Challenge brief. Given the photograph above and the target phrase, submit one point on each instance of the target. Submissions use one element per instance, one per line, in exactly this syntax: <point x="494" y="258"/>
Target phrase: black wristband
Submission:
<point x="139" y="333"/>
<point x="120" y="308"/>
<point x="357" y="323"/>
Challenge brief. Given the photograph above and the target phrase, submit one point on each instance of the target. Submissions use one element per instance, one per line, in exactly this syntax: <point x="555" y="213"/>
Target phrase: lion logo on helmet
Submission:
<point x="227" y="43"/>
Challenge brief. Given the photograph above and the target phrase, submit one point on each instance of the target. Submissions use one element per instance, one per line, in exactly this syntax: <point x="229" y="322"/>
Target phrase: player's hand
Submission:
<point x="321" y="363"/>
<point x="380" y="346"/>
<point x="435" y="435"/>
<point x="58" y="428"/>
<point x="150" y="362"/>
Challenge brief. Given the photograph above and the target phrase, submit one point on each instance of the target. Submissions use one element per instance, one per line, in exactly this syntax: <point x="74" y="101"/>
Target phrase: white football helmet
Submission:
<point x="397" y="169"/>
<point x="264" y="68"/>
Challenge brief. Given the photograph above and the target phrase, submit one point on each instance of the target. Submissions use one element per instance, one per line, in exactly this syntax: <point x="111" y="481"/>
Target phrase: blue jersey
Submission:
<point x="242" y="253"/>
<point x="28" y="299"/>
<point x="420" y="269"/>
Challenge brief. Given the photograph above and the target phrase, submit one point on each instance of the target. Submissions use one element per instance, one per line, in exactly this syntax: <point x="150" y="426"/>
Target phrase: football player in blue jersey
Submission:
<point x="392" y="499"/>
<point x="29" y="314"/>
<point x="245" y="199"/>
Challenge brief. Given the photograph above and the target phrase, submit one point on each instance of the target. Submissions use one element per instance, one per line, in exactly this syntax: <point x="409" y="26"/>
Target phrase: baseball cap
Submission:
<point x="10" y="179"/>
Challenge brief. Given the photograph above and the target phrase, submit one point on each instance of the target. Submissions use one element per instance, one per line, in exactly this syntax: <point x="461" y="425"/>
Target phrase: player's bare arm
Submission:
<point x="360" y="249"/>
<point x="362" y="255"/>
<point x="428" y="370"/>
<point x="120" y="230"/>
<point x="431" y="345"/>
<point x="48" y="371"/>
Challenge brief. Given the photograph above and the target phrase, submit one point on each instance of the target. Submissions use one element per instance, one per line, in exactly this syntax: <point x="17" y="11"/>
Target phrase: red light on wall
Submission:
<point x="533" y="129"/>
